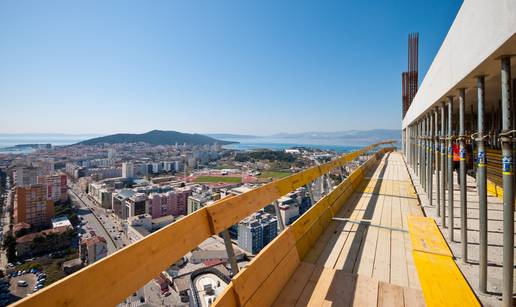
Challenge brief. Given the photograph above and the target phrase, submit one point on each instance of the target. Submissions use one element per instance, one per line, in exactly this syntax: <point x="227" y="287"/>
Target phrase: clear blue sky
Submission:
<point x="210" y="66"/>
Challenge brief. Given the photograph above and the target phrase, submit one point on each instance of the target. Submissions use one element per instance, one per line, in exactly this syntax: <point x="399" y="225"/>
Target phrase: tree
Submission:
<point x="10" y="246"/>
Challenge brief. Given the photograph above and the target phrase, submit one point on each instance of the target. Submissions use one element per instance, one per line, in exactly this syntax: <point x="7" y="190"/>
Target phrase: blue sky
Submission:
<point x="210" y="66"/>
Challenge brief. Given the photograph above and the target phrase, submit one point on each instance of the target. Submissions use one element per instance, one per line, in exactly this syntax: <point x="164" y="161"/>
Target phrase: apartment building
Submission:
<point x="57" y="188"/>
<point x="33" y="206"/>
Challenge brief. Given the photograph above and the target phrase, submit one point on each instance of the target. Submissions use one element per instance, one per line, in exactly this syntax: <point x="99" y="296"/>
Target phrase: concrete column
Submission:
<point x="482" y="185"/>
<point x="437" y="164"/>
<point x="508" y="177"/>
<point x="462" y="180"/>
<point x="443" y="167"/>
<point x="450" y="167"/>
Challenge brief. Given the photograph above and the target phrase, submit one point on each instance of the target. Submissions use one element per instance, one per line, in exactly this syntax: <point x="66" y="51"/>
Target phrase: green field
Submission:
<point x="204" y="179"/>
<point x="274" y="174"/>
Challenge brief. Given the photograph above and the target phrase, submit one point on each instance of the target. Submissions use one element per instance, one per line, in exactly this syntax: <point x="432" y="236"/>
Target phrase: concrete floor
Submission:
<point x="470" y="268"/>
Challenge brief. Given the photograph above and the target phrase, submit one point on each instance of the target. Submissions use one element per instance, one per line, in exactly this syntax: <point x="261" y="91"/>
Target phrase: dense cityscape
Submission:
<point x="66" y="207"/>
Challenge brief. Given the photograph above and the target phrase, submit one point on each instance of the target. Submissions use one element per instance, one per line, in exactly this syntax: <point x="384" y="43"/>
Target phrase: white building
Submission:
<point x="127" y="170"/>
<point x="289" y="210"/>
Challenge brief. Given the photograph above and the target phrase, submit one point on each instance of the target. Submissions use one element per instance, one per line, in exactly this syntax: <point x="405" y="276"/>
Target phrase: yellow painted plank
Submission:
<point x="426" y="236"/>
<point x="442" y="282"/>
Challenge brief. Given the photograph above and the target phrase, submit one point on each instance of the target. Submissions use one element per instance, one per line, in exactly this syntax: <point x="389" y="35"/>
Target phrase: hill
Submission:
<point x="156" y="137"/>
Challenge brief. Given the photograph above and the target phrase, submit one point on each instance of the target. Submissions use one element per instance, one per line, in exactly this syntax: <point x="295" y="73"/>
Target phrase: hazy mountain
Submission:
<point x="230" y="136"/>
<point x="156" y="137"/>
<point x="375" y="134"/>
<point x="349" y="137"/>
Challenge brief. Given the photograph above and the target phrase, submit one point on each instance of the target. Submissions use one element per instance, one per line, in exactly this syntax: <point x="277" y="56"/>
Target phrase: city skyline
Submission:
<point x="103" y="68"/>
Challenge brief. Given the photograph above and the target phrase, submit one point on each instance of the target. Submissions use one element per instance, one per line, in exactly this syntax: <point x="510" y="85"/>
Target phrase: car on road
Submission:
<point x="22" y="283"/>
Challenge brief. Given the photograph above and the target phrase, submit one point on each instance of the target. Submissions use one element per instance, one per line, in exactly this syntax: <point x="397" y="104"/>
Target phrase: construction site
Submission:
<point x="425" y="222"/>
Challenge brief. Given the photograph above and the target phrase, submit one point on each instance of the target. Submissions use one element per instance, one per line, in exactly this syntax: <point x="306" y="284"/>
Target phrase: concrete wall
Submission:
<point x="479" y="29"/>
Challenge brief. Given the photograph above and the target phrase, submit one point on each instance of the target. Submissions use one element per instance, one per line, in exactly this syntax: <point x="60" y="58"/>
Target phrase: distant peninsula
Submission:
<point x="156" y="137"/>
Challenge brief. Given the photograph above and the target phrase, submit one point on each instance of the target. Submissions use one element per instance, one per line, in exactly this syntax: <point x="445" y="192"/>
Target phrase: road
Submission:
<point x="111" y="224"/>
<point x="92" y="223"/>
<point x="112" y="230"/>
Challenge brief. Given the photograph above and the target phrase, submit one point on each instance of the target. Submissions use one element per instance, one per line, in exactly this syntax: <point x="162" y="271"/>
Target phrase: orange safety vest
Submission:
<point x="456" y="152"/>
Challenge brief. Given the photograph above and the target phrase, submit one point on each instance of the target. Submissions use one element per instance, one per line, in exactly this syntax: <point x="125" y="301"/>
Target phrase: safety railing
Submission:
<point x="260" y="283"/>
<point x="109" y="281"/>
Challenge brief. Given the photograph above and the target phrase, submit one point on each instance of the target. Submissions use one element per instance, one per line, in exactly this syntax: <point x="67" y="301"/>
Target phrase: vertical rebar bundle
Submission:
<point x="409" y="79"/>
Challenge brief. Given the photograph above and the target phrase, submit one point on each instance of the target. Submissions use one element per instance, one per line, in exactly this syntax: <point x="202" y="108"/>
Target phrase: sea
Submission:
<point x="8" y="141"/>
<point x="281" y="146"/>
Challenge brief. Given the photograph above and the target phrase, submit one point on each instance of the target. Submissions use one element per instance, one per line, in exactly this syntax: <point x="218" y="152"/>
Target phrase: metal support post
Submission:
<point x="437" y="164"/>
<point x="278" y="216"/>
<point x="230" y="251"/>
<point x="412" y="142"/>
<point x="482" y="186"/>
<point x="310" y="194"/>
<point x="462" y="180"/>
<point x="429" y="151"/>
<point x="423" y="155"/>
<point x="443" y="168"/>
<point x="421" y="151"/>
<point x="416" y="151"/>
<point x="450" y="167"/>
<point x="508" y="193"/>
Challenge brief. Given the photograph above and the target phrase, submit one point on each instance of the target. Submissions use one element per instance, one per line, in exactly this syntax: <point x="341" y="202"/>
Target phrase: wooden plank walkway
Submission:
<point x="364" y="257"/>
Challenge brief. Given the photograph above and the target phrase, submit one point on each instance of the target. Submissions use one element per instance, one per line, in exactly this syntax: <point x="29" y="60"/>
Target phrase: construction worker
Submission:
<point x="456" y="159"/>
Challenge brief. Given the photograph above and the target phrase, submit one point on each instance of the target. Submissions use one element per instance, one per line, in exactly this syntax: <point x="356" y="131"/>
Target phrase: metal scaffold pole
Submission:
<point x="409" y="145"/>
<point x="429" y="151"/>
<point x="450" y="167"/>
<point x="308" y="187"/>
<point x="420" y="174"/>
<point x="443" y="168"/>
<point x="423" y="152"/>
<point x="462" y="180"/>
<point x="482" y="186"/>
<point x="413" y="158"/>
<point x="278" y="216"/>
<point x="418" y="166"/>
<point x="508" y="177"/>
<point x="437" y="164"/>
<point x="230" y="251"/>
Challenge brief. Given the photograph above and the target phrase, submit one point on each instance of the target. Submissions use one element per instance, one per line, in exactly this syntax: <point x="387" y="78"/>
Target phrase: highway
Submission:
<point x="92" y="222"/>
<point x="110" y="227"/>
